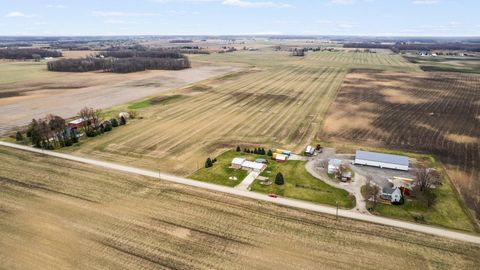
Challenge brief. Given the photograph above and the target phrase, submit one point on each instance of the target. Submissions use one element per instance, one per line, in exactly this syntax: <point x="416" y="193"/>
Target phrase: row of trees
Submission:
<point x="49" y="132"/>
<point x="27" y="53"/>
<point x="416" y="46"/>
<point x="120" y="65"/>
<point x="159" y="53"/>
<point x="257" y="151"/>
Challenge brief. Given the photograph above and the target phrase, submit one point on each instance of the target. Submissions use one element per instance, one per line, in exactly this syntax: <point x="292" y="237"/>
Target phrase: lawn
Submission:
<point x="299" y="184"/>
<point x="447" y="210"/>
<point x="221" y="171"/>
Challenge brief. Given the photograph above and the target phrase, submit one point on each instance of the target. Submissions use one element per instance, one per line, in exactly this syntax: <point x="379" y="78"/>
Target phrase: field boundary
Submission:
<point x="257" y="196"/>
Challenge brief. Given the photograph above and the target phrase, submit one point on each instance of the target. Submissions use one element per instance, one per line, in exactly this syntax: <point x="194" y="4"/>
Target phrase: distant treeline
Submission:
<point x="416" y="47"/>
<point x="142" y="53"/>
<point x="118" y="65"/>
<point x="181" y="41"/>
<point x="27" y="53"/>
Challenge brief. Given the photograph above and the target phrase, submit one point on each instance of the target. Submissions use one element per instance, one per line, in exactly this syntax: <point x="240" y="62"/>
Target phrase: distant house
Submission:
<point x="382" y="160"/>
<point x="280" y="157"/>
<point x="333" y="165"/>
<point x="242" y="163"/>
<point x="394" y="195"/>
<point x="309" y="151"/>
<point x="253" y="166"/>
<point x="237" y="163"/>
<point x="76" y="123"/>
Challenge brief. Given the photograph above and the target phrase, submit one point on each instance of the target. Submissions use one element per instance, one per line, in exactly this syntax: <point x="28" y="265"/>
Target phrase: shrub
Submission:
<point x="91" y="133"/>
<point x="68" y="142"/>
<point x="18" y="136"/>
<point x="114" y="122"/>
<point x="208" y="163"/>
<point x="123" y="121"/>
<point x="270" y="153"/>
<point x="108" y="127"/>
<point x="279" y="179"/>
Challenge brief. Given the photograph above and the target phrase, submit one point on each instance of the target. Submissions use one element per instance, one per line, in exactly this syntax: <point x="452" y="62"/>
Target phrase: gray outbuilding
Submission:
<point x="381" y="160"/>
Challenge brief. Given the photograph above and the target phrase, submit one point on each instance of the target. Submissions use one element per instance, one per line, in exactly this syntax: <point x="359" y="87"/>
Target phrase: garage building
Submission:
<point x="382" y="160"/>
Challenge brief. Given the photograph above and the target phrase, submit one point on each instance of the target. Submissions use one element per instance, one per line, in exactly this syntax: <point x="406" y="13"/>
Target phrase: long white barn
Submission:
<point x="382" y="160"/>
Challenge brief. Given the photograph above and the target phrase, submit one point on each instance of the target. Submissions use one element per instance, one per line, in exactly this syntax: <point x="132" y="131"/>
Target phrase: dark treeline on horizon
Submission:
<point x="27" y="53"/>
<point x="416" y="47"/>
<point x="118" y="65"/>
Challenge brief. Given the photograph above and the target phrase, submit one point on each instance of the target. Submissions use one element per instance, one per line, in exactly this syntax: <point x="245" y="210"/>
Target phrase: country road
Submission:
<point x="257" y="196"/>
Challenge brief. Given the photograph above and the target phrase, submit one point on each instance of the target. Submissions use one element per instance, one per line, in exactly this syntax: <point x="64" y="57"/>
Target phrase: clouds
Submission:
<point x="18" y="14"/>
<point x="251" y="4"/>
<point x="425" y="2"/>
<point x="121" y="14"/>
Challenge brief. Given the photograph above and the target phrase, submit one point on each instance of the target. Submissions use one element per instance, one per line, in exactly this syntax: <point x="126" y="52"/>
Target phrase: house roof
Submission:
<point x="334" y="162"/>
<point x="238" y="161"/>
<point x="76" y="121"/>
<point x="379" y="157"/>
<point x="281" y="157"/>
<point x="253" y="165"/>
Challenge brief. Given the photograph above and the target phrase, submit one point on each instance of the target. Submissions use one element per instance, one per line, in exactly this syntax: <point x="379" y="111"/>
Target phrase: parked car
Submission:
<point x="273" y="195"/>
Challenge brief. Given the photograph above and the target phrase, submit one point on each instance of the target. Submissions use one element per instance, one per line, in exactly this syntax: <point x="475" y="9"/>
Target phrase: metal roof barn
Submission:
<point x="382" y="160"/>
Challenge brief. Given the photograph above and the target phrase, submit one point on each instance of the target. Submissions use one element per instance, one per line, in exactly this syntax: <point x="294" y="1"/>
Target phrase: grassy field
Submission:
<point x="221" y="171"/>
<point x="62" y="215"/>
<point x="22" y="71"/>
<point x="280" y="101"/>
<point x="299" y="184"/>
<point x="447" y="63"/>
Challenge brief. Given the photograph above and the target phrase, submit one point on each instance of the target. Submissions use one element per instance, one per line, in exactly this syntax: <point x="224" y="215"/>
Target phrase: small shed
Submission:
<point x="280" y="157"/>
<point x="237" y="162"/>
<point x="333" y="165"/>
<point x="309" y="151"/>
<point x="261" y="160"/>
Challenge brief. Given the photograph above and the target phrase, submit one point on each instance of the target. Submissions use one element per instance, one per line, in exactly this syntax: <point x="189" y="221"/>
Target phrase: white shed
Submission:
<point x="382" y="160"/>
<point x="333" y="165"/>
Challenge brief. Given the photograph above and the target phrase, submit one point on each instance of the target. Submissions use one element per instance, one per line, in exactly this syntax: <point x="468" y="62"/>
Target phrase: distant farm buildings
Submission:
<point x="382" y="160"/>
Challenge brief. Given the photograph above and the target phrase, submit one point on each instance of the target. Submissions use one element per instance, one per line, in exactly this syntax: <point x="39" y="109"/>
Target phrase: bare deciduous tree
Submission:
<point x="371" y="191"/>
<point x="427" y="178"/>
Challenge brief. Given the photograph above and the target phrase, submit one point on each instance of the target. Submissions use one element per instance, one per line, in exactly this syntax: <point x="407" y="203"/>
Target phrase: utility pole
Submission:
<point x="336" y="202"/>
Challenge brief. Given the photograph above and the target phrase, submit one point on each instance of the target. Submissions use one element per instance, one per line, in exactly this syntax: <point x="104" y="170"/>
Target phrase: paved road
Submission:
<point x="281" y="201"/>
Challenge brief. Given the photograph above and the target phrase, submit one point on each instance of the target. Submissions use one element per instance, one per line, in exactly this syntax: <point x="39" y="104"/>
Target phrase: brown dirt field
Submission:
<point x="77" y="54"/>
<point x="65" y="94"/>
<point x="434" y="113"/>
<point x="56" y="214"/>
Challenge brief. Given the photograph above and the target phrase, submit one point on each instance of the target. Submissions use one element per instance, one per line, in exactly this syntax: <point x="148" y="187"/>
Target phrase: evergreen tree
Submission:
<point x="263" y="151"/>
<point x="208" y="163"/>
<point x="238" y="149"/>
<point x="270" y="153"/>
<point x="18" y="136"/>
<point x="279" y="179"/>
<point x="255" y="151"/>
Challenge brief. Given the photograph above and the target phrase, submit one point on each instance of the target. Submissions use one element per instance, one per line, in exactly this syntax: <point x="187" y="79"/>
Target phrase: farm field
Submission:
<point x="63" y="215"/>
<point x="280" y="102"/>
<point x="447" y="63"/>
<point x="436" y="113"/>
<point x="30" y="91"/>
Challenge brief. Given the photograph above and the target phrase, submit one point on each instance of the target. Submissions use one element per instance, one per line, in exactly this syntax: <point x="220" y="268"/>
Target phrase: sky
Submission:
<point x="240" y="17"/>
